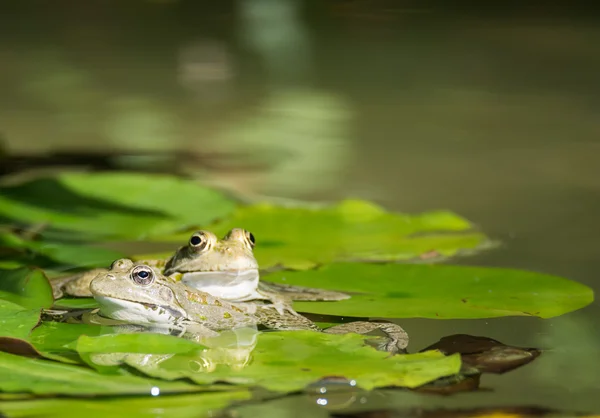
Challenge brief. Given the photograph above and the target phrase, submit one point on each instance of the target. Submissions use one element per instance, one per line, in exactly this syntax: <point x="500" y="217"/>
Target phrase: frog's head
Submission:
<point x="205" y="252"/>
<point x="136" y="293"/>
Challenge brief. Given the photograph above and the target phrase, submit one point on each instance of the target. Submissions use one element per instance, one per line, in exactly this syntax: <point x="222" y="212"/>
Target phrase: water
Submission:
<point x="492" y="114"/>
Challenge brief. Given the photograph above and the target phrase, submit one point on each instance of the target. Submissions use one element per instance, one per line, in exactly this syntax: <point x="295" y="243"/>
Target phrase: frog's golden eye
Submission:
<point x="199" y="241"/>
<point x="142" y="275"/>
<point x="250" y="238"/>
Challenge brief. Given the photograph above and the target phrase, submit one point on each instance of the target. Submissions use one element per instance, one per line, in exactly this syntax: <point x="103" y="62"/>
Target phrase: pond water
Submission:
<point x="492" y="114"/>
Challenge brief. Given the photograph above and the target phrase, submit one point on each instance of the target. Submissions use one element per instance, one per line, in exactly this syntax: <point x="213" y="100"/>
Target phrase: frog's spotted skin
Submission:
<point x="140" y="294"/>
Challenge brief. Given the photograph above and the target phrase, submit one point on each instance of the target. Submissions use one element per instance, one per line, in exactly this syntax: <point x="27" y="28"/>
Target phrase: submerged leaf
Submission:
<point x="485" y="354"/>
<point x="437" y="291"/>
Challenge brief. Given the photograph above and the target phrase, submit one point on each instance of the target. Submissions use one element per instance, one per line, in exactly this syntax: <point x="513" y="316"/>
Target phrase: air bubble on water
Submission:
<point x="155" y="391"/>
<point x="322" y="401"/>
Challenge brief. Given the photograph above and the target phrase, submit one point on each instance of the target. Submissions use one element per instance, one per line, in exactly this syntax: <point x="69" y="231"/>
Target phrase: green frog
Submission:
<point x="227" y="269"/>
<point x="224" y="268"/>
<point x="140" y="294"/>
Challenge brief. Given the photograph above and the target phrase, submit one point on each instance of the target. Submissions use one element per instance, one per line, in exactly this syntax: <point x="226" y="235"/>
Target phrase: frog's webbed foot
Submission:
<point x="282" y="305"/>
<point x="282" y="308"/>
<point x="396" y="339"/>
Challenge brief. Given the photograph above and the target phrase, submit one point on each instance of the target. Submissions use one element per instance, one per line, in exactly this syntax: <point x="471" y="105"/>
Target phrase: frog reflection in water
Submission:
<point x="140" y="294"/>
<point x="224" y="268"/>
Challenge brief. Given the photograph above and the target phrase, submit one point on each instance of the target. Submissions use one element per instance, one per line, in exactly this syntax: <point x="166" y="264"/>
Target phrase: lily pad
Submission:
<point x="27" y="287"/>
<point x="437" y="291"/>
<point x="136" y="343"/>
<point x="182" y="200"/>
<point x="113" y="205"/>
<point x="291" y="360"/>
<point x="21" y="374"/>
<point x="17" y="321"/>
<point x="190" y="405"/>
<point x="76" y="303"/>
<point x="302" y="237"/>
<point x="58" y="252"/>
<point x="52" y="339"/>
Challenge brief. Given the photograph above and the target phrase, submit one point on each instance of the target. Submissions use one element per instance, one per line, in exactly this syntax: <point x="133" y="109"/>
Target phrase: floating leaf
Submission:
<point x="289" y="361"/>
<point x="67" y="254"/>
<point x="52" y="339"/>
<point x="111" y="205"/>
<point x="181" y="406"/>
<point x="135" y="343"/>
<point x="21" y="374"/>
<point x="351" y="230"/>
<point x="17" y="321"/>
<point x="76" y="303"/>
<point x="185" y="201"/>
<point x="437" y="291"/>
<point x="26" y="286"/>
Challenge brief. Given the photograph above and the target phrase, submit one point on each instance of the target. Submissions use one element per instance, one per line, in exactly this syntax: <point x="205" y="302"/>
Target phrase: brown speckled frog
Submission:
<point x="140" y="294"/>
<point x="224" y="268"/>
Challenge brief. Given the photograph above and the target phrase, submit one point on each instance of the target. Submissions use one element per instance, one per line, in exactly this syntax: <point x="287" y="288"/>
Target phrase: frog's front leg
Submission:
<point x="396" y="341"/>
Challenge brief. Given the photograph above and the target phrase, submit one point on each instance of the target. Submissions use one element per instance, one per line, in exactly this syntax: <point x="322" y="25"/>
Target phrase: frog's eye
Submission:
<point x="142" y="275"/>
<point x="250" y="238"/>
<point x="199" y="241"/>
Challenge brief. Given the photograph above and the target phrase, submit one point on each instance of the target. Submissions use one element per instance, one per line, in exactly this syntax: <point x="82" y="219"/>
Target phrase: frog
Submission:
<point x="225" y="268"/>
<point x="141" y="294"/>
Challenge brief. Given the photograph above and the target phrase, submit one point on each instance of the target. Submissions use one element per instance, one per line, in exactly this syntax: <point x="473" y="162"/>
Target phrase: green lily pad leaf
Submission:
<point x="437" y="291"/>
<point x="181" y="406"/>
<point x="21" y="374"/>
<point x="61" y="253"/>
<point x="76" y="303"/>
<point x="302" y="237"/>
<point x="16" y="321"/>
<point x="113" y="205"/>
<point x="27" y="287"/>
<point x="183" y="200"/>
<point x="52" y="339"/>
<point x="291" y="360"/>
<point x="76" y="254"/>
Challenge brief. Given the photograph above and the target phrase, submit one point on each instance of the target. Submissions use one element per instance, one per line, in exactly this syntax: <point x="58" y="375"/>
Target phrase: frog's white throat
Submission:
<point x="136" y="312"/>
<point x="235" y="286"/>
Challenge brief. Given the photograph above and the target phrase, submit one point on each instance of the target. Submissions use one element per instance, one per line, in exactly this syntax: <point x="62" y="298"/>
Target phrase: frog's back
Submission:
<point x="215" y="313"/>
